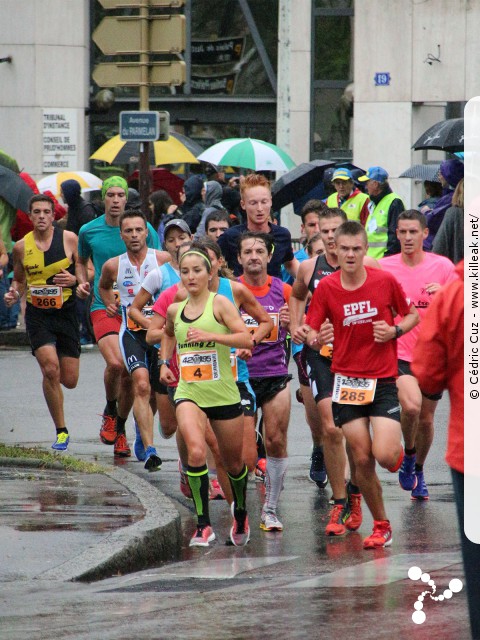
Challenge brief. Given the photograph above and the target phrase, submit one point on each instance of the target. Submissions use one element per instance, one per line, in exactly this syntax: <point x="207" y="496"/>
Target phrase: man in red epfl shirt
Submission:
<point x="357" y="305"/>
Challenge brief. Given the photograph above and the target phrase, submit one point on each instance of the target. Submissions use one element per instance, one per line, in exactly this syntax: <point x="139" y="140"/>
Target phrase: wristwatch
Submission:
<point x="160" y="362"/>
<point x="398" y="332"/>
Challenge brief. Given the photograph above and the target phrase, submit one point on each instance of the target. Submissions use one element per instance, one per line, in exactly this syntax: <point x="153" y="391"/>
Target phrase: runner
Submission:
<point x="356" y="306"/>
<point x="205" y="326"/>
<point x="268" y="366"/>
<point x="100" y="240"/>
<point x="141" y="361"/>
<point x="44" y="265"/>
<point x="421" y="275"/>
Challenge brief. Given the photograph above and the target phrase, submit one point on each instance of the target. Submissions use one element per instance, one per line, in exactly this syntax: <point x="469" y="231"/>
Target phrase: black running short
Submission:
<point x="320" y="374"/>
<point x="137" y="354"/>
<point x="404" y="369"/>
<point x="385" y="405"/>
<point x="228" y="412"/>
<point x="58" y="327"/>
<point x="267" y="388"/>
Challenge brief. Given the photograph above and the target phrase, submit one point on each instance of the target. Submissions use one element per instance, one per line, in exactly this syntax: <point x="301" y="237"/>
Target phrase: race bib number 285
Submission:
<point x="357" y="391"/>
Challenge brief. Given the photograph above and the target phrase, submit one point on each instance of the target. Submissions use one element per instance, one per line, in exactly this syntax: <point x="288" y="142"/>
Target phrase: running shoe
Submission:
<point x="354" y="521"/>
<point x="406" y="475"/>
<point x="338" y="517"/>
<point x="121" y="447"/>
<point x="215" y="491"/>
<point x="138" y="448"/>
<point x="108" y="431"/>
<point x="381" y="536"/>
<point x="152" y="461"/>
<point x="318" y="471"/>
<point x="420" y="491"/>
<point x="202" y="536"/>
<point x="261" y="470"/>
<point x="270" y="522"/>
<point x="61" y="443"/>
<point x="184" y="486"/>
<point x="240" y="531"/>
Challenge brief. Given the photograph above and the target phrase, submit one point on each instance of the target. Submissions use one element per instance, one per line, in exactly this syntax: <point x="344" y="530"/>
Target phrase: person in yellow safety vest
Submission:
<point x="385" y="207"/>
<point x="348" y="197"/>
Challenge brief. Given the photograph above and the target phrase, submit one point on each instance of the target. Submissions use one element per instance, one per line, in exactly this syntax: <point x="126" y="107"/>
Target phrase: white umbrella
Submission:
<point x="248" y="153"/>
<point x="87" y="181"/>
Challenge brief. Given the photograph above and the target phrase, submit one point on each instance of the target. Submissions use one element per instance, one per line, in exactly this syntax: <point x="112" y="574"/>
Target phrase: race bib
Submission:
<point x="133" y="326"/>
<point x="233" y="364"/>
<point x="357" y="391"/>
<point x="200" y="366"/>
<point x="116" y="292"/>
<point x="48" y="297"/>
<point x="252" y="324"/>
<point x="327" y="351"/>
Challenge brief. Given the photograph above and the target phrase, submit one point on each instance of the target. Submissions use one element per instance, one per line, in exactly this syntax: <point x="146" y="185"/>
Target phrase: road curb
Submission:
<point x="155" y="538"/>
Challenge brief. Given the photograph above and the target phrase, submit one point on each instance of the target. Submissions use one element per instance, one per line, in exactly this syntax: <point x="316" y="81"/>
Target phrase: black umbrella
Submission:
<point x="14" y="190"/>
<point x="422" y="172"/>
<point x="298" y="182"/>
<point x="445" y="136"/>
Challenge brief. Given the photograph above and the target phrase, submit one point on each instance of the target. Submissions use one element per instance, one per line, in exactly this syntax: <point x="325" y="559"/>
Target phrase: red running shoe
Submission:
<point x="202" y="536"/>
<point x="381" y="536"/>
<point x="261" y="470"/>
<point x="184" y="486"/>
<point x="108" y="432"/>
<point x="215" y="491"/>
<point x="338" y="517"/>
<point x="354" y="521"/>
<point x="121" y="447"/>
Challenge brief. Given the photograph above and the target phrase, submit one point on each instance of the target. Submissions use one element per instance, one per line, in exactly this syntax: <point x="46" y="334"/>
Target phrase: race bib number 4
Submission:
<point x="46" y="297"/>
<point x="133" y="326"/>
<point x="353" y="390"/>
<point x="252" y="324"/>
<point x="200" y="366"/>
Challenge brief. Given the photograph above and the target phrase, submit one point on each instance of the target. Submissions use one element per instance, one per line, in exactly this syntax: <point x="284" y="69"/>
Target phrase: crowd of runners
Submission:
<point x="202" y="330"/>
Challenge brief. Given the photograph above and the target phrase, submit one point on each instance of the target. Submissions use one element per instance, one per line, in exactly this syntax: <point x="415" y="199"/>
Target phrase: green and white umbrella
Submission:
<point x="248" y="153"/>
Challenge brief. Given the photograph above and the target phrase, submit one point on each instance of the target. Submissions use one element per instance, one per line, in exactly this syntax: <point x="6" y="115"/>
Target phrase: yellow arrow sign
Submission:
<point x="128" y="74"/>
<point x="135" y="4"/>
<point x="118" y="35"/>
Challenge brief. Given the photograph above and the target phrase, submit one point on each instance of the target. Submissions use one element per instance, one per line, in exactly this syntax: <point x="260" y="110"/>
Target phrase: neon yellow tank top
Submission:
<point x="41" y="266"/>
<point x="206" y="375"/>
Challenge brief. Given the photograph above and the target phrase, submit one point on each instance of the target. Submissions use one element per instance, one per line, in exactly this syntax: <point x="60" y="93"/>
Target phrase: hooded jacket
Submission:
<point x="452" y="171"/>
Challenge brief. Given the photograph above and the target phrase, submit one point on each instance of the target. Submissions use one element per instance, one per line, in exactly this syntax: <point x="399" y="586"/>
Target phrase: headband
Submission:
<point x="198" y="253"/>
<point x="114" y="181"/>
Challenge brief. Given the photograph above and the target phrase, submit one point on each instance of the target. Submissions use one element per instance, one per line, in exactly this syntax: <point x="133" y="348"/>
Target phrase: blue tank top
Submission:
<point x="225" y="289"/>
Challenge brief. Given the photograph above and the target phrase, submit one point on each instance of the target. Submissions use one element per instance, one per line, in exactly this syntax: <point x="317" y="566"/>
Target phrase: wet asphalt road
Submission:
<point x="295" y="584"/>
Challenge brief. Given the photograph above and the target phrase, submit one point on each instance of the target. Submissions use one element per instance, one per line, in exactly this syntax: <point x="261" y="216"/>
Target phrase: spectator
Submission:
<point x="79" y="210"/>
<point x="451" y="172"/>
<point x="163" y="209"/>
<point x="433" y="191"/>
<point x="216" y="223"/>
<point x="231" y="202"/>
<point x="449" y="239"/>
<point x="194" y="204"/>
<point x="213" y="193"/>
<point x="348" y="197"/>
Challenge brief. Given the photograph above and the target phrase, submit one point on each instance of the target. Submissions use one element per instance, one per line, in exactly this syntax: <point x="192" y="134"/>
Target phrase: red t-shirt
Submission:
<point x="352" y="312"/>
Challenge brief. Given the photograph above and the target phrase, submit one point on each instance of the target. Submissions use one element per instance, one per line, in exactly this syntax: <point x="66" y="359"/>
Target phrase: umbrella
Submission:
<point x="248" y="153"/>
<point x="87" y="181"/>
<point x="445" y="136"/>
<point x="8" y="162"/>
<point x="422" y="172"/>
<point x="297" y="182"/>
<point x="14" y="190"/>
<point x="175" y="150"/>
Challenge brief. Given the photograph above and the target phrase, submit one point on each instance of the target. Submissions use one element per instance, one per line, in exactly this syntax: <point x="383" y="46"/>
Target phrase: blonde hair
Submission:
<point x="457" y="198"/>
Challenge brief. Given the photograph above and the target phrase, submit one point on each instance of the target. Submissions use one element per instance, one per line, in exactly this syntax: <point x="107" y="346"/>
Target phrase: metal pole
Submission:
<point x="144" y="173"/>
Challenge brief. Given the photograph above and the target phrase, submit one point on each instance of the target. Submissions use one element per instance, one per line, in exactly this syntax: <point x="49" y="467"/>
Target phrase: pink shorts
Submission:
<point x="104" y="325"/>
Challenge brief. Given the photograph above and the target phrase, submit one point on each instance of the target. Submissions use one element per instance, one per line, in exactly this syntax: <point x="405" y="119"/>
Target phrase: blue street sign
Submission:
<point x="382" y="79"/>
<point x="139" y="126"/>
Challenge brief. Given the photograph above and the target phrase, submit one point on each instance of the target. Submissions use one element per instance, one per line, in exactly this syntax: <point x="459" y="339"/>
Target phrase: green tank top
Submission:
<point x="206" y="375"/>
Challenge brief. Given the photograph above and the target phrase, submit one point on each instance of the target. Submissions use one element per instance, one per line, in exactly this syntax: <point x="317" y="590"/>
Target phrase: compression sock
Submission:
<point x="120" y="426"/>
<point x="410" y="452"/>
<point x="199" y="485"/>
<point x="275" y="474"/>
<point x="239" y="488"/>
<point x="110" y="408"/>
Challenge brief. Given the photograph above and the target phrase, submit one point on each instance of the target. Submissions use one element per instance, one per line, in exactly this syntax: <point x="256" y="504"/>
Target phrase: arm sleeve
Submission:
<point x="393" y="245"/>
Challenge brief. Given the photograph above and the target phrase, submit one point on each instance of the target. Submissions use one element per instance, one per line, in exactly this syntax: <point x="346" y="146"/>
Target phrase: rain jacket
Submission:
<point x="438" y="359"/>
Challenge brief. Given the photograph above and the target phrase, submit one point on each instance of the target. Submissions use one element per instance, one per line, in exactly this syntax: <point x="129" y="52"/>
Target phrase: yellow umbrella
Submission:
<point x="172" y="151"/>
